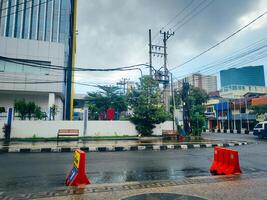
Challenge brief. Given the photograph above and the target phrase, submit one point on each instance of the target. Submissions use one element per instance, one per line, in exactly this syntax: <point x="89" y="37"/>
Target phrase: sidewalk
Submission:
<point x="245" y="187"/>
<point x="115" y="145"/>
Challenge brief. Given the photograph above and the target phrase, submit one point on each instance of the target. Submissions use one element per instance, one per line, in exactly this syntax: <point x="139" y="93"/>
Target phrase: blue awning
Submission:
<point x="221" y="106"/>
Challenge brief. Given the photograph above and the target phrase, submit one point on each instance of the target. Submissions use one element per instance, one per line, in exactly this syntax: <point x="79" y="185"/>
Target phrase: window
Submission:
<point x="2" y="66"/>
<point x="56" y="13"/>
<point x="2" y="19"/>
<point x="13" y="67"/>
<point x="19" y="18"/>
<point x="258" y="126"/>
<point x="10" y="18"/>
<point x="49" y="15"/>
<point x="27" y="19"/>
<point x="41" y="21"/>
<point x="34" y="19"/>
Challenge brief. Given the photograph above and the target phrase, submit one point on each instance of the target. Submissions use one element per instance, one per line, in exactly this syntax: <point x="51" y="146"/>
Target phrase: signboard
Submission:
<point x="77" y="158"/>
<point x="72" y="174"/>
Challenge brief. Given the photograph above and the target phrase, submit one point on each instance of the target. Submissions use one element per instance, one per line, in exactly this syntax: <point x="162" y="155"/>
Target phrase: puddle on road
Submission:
<point x="130" y="176"/>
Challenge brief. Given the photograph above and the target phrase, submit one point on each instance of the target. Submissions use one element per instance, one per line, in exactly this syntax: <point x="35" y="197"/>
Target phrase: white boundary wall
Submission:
<point x="23" y="129"/>
<point x="1" y="130"/>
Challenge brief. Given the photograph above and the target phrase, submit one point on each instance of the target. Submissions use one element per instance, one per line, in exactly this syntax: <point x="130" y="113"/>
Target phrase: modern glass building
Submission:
<point x="45" y="20"/>
<point x="251" y="76"/>
<point x="39" y="31"/>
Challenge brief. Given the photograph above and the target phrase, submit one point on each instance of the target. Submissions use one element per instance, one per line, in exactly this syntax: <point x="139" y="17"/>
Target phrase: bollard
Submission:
<point x="77" y="176"/>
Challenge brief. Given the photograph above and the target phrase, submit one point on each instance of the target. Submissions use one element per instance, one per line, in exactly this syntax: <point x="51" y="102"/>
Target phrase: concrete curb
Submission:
<point x="120" y="148"/>
<point x="229" y="131"/>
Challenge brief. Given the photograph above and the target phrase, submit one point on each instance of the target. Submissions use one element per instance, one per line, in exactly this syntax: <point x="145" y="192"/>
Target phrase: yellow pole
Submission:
<point x="73" y="56"/>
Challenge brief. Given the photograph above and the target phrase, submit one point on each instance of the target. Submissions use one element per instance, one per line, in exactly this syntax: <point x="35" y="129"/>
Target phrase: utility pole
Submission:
<point x="123" y="83"/>
<point x="166" y="36"/>
<point x="150" y="53"/>
<point x="173" y="103"/>
<point x="161" y="76"/>
<point x="185" y="92"/>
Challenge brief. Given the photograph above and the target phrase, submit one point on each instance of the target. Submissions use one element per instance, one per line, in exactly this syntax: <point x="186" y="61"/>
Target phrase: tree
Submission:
<point x="21" y="108"/>
<point x="53" y="111"/>
<point x="27" y="109"/>
<point x="2" y="109"/>
<point x="106" y="97"/>
<point x="148" y="109"/>
<point x="30" y="107"/>
<point x="38" y="113"/>
<point x="195" y="99"/>
<point x="259" y="109"/>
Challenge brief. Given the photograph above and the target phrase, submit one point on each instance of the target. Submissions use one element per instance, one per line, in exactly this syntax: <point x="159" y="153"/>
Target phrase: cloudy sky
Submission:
<point x="114" y="33"/>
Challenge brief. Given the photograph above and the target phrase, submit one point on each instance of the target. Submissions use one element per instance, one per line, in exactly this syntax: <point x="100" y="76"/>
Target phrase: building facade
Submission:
<point x="234" y="114"/>
<point x="35" y="35"/>
<point x="250" y="76"/>
<point x="205" y="82"/>
<point x="238" y="91"/>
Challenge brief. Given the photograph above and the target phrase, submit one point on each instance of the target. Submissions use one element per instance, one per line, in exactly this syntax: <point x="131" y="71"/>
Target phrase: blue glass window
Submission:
<point x="18" y="18"/>
<point x="56" y="20"/>
<point x="64" y="27"/>
<point x="26" y="19"/>
<point x="34" y="19"/>
<point x="49" y="13"/>
<point x="41" y="21"/>
<point x="3" y="13"/>
<point x="10" y="17"/>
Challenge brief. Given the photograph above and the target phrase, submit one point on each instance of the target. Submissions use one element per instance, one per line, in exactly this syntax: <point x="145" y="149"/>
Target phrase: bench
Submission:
<point x="67" y="132"/>
<point x="169" y="134"/>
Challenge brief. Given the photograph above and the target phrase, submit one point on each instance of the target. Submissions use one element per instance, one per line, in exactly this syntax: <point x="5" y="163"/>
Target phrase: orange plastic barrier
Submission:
<point x="77" y="175"/>
<point x="226" y="161"/>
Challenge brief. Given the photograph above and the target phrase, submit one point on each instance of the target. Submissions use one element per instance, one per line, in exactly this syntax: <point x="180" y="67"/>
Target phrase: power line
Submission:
<point x="173" y="18"/>
<point x="46" y="82"/>
<point x="251" y="50"/>
<point x="194" y="9"/>
<point x="194" y="15"/>
<point x="222" y="41"/>
<point x="58" y="67"/>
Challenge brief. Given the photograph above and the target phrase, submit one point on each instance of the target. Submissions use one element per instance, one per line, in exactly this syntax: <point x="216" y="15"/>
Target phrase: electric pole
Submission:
<point x="161" y="76"/>
<point x="123" y="83"/>
<point x="185" y="92"/>
<point x="150" y="53"/>
<point x="166" y="36"/>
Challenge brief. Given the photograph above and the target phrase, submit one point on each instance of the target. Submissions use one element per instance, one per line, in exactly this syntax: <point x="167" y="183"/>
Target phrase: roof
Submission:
<point x="259" y="101"/>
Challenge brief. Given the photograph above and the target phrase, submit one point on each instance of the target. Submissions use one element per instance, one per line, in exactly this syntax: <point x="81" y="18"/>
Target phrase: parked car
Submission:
<point x="260" y="129"/>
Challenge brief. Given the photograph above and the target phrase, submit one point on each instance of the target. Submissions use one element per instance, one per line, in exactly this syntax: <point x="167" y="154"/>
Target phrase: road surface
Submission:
<point x="35" y="172"/>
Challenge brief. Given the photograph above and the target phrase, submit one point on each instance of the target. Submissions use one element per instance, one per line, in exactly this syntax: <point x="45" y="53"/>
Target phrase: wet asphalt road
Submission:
<point x="35" y="172"/>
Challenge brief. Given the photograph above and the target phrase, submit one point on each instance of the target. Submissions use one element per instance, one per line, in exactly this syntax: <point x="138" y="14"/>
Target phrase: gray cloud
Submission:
<point x="115" y="32"/>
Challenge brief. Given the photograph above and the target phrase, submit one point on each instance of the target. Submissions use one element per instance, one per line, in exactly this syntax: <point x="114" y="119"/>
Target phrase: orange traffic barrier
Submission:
<point x="226" y="161"/>
<point x="216" y="161"/>
<point x="77" y="175"/>
<point x="233" y="166"/>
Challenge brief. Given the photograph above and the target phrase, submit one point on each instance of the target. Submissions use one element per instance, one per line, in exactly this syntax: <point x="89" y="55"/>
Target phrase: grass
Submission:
<point x="86" y="138"/>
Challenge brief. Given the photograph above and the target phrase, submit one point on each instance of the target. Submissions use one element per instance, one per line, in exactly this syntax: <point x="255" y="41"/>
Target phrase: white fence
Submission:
<point x="23" y="129"/>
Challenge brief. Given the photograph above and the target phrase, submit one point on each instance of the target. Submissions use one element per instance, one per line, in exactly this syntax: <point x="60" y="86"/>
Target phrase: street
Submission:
<point x="36" y="172"/>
